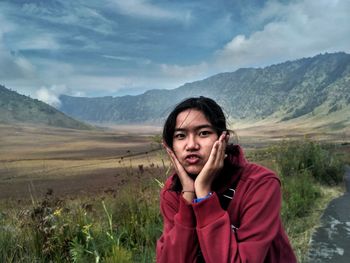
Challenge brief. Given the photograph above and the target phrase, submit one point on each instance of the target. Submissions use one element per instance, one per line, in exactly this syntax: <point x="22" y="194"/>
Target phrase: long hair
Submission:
<point x="211" y="110"/>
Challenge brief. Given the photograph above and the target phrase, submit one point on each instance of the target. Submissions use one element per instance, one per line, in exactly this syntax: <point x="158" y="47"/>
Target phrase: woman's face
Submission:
<point x="193" y="140"/>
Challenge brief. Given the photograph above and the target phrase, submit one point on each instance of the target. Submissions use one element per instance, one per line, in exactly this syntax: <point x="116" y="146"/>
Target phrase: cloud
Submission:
<point x="88" y="18"/>
<point x="12" y="65"/>
<point x="95" y="86"/>
<point x="184" y="72"/>
<point x="144" y="9"/>
<point x="100" y="48"/>
<point x="51" y="94"/>
<point x="89" y="84"/>
<point x="129" y="59"/>
<point x="75" y="14"/>
<point x="37" y="42"/>
<point x="294" y="30"/>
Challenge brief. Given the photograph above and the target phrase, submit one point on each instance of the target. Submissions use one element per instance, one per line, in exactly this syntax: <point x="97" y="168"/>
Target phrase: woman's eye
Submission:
<point x="204" y="133"/>
<point x="179" y="136"/>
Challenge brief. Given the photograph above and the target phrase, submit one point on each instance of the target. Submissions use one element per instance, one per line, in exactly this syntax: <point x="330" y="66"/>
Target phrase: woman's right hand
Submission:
<point x="186" y="181"/>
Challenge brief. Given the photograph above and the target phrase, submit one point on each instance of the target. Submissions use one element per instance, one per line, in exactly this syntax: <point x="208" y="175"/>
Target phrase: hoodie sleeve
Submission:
<point x="259" y="224"/>
<point x="179" y="242"/>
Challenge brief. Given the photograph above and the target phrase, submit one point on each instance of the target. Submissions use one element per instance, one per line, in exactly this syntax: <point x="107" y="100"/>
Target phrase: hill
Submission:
<point x="17" y="108"/>
<point x="308" y="87"/>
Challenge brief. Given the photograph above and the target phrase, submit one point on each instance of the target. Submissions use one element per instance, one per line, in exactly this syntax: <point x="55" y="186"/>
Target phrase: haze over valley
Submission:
<point x="316" y="89"/>
<point x="53" y="148"/>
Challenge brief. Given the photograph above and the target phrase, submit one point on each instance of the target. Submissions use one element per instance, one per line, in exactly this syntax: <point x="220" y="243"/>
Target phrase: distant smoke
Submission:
<point x="51" y="95"/>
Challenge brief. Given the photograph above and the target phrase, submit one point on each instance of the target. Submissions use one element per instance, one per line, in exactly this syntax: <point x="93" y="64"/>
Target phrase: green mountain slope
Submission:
<point x="286" y="91"/>
<point x="16" y="108"/>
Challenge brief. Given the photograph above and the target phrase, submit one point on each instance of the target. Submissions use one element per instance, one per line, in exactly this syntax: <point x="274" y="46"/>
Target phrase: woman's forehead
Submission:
<point x="191" y="118"/>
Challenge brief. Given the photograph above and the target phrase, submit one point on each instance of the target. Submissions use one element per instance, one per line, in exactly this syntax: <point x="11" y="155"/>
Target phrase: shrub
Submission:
<point x="53" y="230"/>
<point x="299" y="194"/>
<point x="295" y="157"/>
<point x="138" y="218"/>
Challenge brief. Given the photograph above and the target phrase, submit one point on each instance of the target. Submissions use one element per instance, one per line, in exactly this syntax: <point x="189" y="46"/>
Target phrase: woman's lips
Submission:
<point x="192" y="159"/>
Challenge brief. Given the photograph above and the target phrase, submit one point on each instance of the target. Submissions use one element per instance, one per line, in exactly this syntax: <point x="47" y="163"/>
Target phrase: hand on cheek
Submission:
<point x="212" y="168"/>
<point x="186" y="181"/>
<point x="202" y="184"/>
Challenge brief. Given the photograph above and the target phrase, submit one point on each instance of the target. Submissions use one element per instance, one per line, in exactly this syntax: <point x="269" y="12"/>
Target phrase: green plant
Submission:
<point x="299" y="194"/>
<point x="294" y="157"/>
<point x="138" y="218"/>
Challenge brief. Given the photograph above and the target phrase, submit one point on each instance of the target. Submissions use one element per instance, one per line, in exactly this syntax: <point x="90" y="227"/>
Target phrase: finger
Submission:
<point x="166" y="147"/>
<point x="213" y="153"/>
<point x="180" y="170"/>
<point x="221" y="154"/>
<point x="221" y="145"/>
<point x="222" y="136"/>
<point x="227" y="137"/>
<point x="217" y="153"/>
<point x="171" y="155"/>
<point x="210" y="169"/>
<point x="221" y="149"/>
<point x="172" y="158"/>
<point x="218" y="150"/>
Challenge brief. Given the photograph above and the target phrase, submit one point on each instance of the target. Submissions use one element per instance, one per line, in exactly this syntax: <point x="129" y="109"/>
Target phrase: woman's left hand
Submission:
<point x="212" y="168"/>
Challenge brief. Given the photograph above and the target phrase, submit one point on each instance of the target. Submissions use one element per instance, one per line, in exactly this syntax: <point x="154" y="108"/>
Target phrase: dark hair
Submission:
<point x="214" y="114"/>
<point x="211" y="110"/>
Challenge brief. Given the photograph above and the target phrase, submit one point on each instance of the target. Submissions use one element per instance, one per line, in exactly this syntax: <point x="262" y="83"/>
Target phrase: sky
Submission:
<point x="125" y="47"/>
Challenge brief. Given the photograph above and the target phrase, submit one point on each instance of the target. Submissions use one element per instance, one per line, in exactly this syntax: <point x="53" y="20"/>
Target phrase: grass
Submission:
<point x="68" y="161"/>
<point x="123" y="226"/>
<point x="102" y="229"/>
<point x="300" y="229"/>
<point x="311" y="175"/>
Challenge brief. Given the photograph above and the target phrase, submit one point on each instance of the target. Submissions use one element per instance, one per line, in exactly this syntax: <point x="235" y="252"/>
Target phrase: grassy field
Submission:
<point x="92" y="196"/>
<point x="72" y="161"/>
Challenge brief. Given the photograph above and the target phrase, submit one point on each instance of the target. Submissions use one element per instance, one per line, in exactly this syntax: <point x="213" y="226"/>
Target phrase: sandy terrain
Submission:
<point x="33" y="159"/>
<point x="71" y="162"/>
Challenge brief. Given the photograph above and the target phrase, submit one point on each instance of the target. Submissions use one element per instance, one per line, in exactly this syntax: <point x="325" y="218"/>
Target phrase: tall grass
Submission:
<point x="307" y="169"/>
<point x="124" y="226"/>
<point x="318" y="160"/>
<point x="109" y="229"/>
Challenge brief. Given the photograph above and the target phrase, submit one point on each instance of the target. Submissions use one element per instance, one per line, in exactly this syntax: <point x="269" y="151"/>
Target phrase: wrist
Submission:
<point x="188" y="195"/>
<point x="202" y="190"/>
<point x="188" y="186"/>
<point x="199" y="199"/>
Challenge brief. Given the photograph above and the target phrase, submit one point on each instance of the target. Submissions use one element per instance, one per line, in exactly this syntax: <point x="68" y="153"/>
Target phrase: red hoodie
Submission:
<point x="250" y="230"/>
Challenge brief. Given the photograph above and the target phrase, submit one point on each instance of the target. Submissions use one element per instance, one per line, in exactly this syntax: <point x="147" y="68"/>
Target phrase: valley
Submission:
<point x="71" y="162"/>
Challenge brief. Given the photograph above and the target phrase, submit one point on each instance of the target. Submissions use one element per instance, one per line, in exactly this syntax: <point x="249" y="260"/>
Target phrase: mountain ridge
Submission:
<point x="16" y="108"/>
<point x="283" y="91"/>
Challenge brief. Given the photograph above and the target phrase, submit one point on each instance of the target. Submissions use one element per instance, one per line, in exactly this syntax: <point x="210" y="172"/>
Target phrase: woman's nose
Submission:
<point x="192" y="143"/>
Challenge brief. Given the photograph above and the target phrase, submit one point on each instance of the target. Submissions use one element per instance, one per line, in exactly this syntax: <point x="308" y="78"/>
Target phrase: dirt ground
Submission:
<point x="72" y="162"/>
<point x="34" y="159"/>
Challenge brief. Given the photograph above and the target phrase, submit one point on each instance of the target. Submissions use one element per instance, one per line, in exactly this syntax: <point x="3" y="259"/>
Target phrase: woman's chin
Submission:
<point x="193" y="171"/>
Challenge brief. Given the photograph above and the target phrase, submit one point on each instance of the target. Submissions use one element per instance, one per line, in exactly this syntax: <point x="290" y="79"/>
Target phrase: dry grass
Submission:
<point x="71" y="161"/>
<point x="86" y="163"/>
<point x="301" y="241"/>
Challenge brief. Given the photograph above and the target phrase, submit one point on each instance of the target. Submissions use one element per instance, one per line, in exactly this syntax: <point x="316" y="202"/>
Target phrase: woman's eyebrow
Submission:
<point x="199" y="127"/>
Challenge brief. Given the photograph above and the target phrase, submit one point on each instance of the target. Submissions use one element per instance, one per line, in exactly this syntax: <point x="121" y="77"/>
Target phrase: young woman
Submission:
<point x="217" y="207"/>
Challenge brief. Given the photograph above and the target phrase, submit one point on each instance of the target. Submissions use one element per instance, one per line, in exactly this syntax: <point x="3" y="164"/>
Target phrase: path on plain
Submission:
<point x="331" y="242"/>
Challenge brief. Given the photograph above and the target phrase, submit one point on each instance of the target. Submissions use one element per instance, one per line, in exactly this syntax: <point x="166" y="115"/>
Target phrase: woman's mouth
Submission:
<point x="192" y="159"/>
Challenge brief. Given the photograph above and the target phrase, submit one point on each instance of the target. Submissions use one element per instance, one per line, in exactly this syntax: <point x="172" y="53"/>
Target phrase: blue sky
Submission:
<point x="117" y="47"/>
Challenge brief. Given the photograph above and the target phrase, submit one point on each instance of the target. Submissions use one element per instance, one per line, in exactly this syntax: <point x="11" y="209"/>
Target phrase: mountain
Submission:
<point x="306" y="87"/>
<point x="17" y="108"/>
